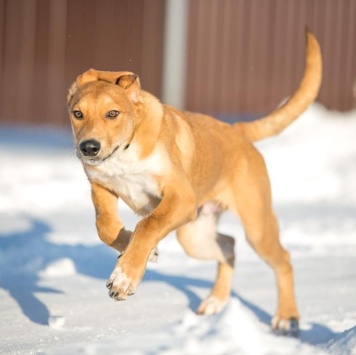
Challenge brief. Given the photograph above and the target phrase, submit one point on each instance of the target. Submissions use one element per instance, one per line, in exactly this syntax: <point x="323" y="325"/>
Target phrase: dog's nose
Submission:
<point x="90" y="148"/>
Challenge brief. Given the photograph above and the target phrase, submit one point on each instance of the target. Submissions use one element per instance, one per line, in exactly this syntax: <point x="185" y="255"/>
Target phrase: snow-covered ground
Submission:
<point x="53" y="267"/>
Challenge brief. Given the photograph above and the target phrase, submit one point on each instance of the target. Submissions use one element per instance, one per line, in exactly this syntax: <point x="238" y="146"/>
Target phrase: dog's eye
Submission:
<point x="112" y="114"/>
<point x="78" y="114"/>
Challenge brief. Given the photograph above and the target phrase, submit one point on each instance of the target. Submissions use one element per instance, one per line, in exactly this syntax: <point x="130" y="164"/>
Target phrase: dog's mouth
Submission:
<point x="96" y="160"/>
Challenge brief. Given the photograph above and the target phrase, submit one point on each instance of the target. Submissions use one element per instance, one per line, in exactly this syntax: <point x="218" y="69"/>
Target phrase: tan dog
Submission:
<point x="179" y="171"/>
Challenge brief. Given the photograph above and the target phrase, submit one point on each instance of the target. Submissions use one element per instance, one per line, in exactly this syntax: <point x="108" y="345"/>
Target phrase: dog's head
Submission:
<point x="104" y="109"/>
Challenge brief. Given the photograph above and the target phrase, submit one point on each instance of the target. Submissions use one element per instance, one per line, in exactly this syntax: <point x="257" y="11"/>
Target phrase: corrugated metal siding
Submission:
<point x="45" y="44"/>
<point x="245" y="56"/>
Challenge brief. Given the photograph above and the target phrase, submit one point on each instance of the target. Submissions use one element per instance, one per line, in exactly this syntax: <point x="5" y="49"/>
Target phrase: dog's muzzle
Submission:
<point x="90" y="147"/>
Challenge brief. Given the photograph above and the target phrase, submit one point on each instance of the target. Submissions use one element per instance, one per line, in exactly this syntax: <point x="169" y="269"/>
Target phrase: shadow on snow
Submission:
<point x="20" y="277"/>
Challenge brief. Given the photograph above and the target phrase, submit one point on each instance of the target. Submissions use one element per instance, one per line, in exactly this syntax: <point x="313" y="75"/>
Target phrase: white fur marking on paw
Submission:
<point x="285" y="326"/>
<point x="210" y="306"/>
<point x="119" y="279"/>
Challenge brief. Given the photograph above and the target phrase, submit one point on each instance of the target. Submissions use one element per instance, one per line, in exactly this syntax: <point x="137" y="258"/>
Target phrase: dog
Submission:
<point x="180" y="171"/>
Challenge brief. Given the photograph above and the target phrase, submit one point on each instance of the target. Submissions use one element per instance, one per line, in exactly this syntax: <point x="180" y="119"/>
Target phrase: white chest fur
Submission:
<point x="131" y="178"/>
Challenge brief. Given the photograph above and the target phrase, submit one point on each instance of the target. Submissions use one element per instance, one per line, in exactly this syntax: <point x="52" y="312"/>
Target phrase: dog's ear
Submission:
<point x="131" y="83"/>
<point x="127" y="80"/>
<point x="90" y="75"/>
<point x="71" y="92"/>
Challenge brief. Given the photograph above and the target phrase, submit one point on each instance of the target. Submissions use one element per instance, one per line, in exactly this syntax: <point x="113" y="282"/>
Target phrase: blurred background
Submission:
<point x="230" y="58"/>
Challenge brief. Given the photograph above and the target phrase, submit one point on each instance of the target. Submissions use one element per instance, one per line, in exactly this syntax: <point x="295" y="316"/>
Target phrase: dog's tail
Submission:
<point x="308" y="90"/>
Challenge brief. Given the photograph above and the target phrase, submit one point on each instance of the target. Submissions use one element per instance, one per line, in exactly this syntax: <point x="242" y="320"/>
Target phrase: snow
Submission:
<point x="56" y="322"/>
<point x="53" y="267"/>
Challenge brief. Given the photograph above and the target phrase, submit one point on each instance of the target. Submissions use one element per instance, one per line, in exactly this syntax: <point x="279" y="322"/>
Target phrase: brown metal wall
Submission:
<point x="247" y="55"/>
<point x="244" y="56"/>
<point x="45" y="44"/>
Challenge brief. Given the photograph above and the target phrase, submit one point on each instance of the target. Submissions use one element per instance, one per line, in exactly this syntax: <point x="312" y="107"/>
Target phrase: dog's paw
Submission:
<point x="120" y="285"/>
<point x="287" y="327"/>
<point x="211" y="305"/>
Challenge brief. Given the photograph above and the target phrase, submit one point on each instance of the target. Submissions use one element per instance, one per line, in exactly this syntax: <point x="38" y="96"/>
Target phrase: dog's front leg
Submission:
<point x="110" y="229"/>
<point x="109" y="226"/>
<point x="178" y="206"/>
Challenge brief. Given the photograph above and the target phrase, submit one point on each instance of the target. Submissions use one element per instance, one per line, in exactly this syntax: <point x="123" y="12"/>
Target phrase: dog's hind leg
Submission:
<point x="201" y="240"/>
<point x="252" y="196"/>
